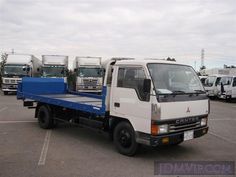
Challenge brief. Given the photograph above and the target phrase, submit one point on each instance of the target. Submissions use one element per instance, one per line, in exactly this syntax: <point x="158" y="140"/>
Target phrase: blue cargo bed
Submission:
<point x="54" y="91"/>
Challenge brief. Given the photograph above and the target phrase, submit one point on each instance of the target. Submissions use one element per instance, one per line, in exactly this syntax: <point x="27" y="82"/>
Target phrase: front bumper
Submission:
<point x="9" y="87"/>
<point x="210" y="93"/>
<point x="174" y="138"/>
<point x="224" y="96"/>
<point x="85" y="88"/>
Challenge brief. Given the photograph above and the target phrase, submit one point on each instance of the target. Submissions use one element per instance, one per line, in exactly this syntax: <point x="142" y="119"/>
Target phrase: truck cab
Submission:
<point x="165" y="102"/>
<point x="55" y="66"/>
<point x="227" y="88"/>
<point x="210" y="85"/>
<point x="16" y="67"/>
<point x="88" y="74"/>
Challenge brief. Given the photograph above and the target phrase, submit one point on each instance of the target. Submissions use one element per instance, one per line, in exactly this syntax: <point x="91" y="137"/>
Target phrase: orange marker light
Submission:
<point x="154" y="129"/>
<point x="165" y="140"/>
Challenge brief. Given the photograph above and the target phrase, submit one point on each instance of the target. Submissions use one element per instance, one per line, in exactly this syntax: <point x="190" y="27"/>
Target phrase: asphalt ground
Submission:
<point x="68" y="150"/>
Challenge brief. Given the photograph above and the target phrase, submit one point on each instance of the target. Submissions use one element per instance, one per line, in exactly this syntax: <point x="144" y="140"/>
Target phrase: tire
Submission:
<point x="228" y="99"/>
<point x="124" y="139"/>
<point x="44" y="116"/>
<point x="5" y="92"/>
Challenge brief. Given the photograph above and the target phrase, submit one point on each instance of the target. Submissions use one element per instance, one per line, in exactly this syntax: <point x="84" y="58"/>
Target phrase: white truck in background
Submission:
<point x="55" y="66"/>
<point x="16" y="67"/>
<point x="227" y="88"/>
<point x="89" y="74"/>
<point x="210" y="85"/>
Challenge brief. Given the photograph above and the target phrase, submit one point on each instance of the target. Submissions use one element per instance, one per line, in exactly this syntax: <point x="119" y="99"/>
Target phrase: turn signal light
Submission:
<point x="154" y="129"/>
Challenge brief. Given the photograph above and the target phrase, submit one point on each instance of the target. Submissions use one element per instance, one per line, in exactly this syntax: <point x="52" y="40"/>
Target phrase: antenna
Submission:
<point x="202" y="57"/>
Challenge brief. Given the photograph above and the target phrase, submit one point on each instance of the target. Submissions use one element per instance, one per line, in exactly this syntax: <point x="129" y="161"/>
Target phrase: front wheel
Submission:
<point x="124" y="139"/>
<point x="44" y="116"/>
<point x="228" y="98"/>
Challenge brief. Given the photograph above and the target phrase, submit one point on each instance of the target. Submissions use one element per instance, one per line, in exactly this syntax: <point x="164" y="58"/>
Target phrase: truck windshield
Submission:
<point x="53" y="71"/>
<point x="226" y="80"/>
<point x="211" y="80"/>
<point x="90" y="72"/>
<point x="14" y="70"/>
<point x="174" y="79"/>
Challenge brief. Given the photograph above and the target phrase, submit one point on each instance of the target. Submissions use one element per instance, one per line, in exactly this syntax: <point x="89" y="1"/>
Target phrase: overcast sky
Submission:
<point x="132" y="28"/>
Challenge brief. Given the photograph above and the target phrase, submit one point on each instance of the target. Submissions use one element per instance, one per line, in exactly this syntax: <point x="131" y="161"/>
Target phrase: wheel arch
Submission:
<point x="113" y="122"/>
<point x="42" y="104"/>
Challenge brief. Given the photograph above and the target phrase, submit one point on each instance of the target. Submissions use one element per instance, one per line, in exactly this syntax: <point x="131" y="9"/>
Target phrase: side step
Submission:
<point x="91" y="123"/>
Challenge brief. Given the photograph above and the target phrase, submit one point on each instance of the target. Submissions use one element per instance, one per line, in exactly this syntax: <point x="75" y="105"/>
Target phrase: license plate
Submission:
<point x="188" y="135"/>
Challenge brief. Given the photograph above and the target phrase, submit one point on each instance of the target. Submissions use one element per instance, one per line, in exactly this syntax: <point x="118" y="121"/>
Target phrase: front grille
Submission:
<point x="183" y="127"/>
<point x="90" y="82"/>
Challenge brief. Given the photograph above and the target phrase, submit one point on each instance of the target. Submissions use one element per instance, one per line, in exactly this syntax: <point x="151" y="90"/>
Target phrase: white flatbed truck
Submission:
<point x="151" y="102"/>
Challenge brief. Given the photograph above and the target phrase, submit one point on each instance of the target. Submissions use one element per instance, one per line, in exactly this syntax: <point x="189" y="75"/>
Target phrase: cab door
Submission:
<point x="234" y="88"/>
<point x="127" y="99"/>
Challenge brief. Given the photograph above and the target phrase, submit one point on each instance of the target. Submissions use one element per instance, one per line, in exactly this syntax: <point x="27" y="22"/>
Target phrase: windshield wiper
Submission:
<point x="176" y="92"/>
<point x="199" y="91"/>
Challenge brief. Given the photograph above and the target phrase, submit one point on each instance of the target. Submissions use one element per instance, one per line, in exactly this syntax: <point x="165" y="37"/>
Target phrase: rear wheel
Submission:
<point x="45" y="118"/>
<point x="5" y="92"/>
<point x="124" y="139"/>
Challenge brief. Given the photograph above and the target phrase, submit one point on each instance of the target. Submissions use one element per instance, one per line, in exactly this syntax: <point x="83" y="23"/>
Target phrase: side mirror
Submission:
<point x="145" y="93"/>
<point x="28" y="69"/>
<point x="75" y="70"/>
<point x="146" y="86"/>
<point x="234" y="84"/>
<point x="222" y="89"/>
<point x="24" y="69"/>
<point x="38" y="69"/>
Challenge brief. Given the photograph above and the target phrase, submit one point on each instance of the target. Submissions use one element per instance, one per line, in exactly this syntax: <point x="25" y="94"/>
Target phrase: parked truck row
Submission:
<point x="220" y="86"/>
<point x="150" y="102"/>
<point x="87" y="75"/>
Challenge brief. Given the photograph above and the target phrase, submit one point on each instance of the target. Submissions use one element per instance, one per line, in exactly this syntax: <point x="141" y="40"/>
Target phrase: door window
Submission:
<point x="234" y="83"/>
<point x="132" y="77"/>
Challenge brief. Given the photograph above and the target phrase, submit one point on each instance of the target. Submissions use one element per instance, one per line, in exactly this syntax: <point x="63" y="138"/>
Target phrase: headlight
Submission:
<point x="163" y="128"/>
<point x="203" y="121"/>
<point x="159" y="129"/>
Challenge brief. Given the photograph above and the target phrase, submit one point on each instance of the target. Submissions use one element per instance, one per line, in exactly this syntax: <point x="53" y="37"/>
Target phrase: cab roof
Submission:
<point x="144" y="61"/>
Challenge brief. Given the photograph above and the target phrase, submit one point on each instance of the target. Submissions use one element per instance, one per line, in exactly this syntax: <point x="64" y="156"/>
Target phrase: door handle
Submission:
<point x="117" y="104"/>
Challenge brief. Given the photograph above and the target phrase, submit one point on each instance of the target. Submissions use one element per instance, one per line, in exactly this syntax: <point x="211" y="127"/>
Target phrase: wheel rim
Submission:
<point x="42" y="117"/>
<point x="125" y="138"/>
